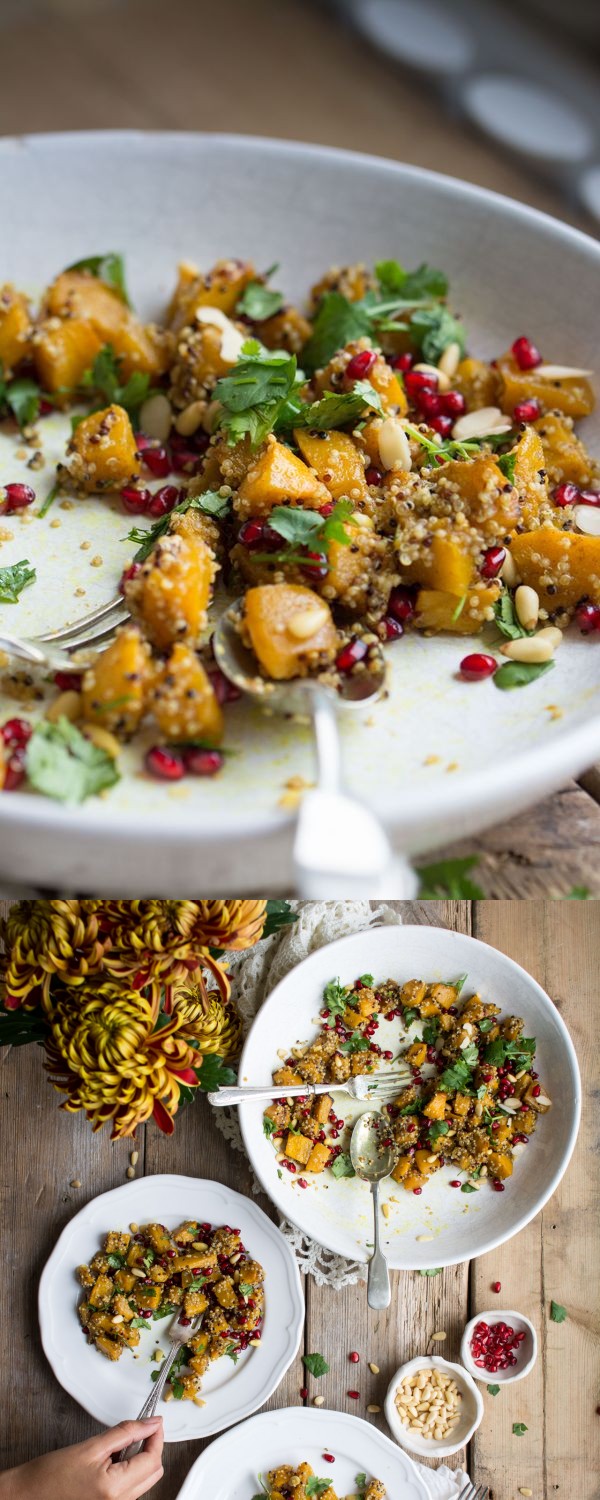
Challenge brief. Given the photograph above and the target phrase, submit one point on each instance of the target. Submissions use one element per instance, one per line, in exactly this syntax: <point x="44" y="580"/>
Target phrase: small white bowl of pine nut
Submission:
<point x="433" y="1407"/>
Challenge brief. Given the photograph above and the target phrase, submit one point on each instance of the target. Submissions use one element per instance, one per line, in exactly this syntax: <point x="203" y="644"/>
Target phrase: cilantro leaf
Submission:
<point x="431" y="1271"/>
<point x="255" y="392"/>
<point x="337" y="322"/>
<point x="139" y="1323"/>
<point x="109" y="268"/>
<point x="433" y="329"/>
<point x="361" y="1481"/>
<point x="457" y="1076"/>
<point x="337" y="408"/>
<point x="61" y="763"/>
<point x="259" y="301"/>
<point x="355" y="1043"/>
<point x="424" y="282"/>
<point x="315" y="1364"/>
<point x="23" y="398"/>
<point x="437" y="1128"/>
<point x="519" y="1428"/>
<point x="335" y="997"/>
<point x="316" y="1486"/>
<point x="578" y="893"/>
<point x="486" y="1024"/>
<point x="115" y="1260"/>
<point x="104" y="380"/>
<point x="295" y="524"/>
<point x="14" y="579"/>
<point x="494" y="1390"/>
<point x="177" y="1388"/>
<point x="367" y="980"/>
<point x="506" y="618"/>
<point x="468" y="1188"/>
<point x="470" y="1054"/>
<point x="558" y="1314"/>
<point x="450" y="877"/>
<point x="306" y="528"/>
<point x="430" y="1031"/>
<point x="520" y="1051"/>
<point x="211" y="503"/>
<point x="515" y="674"/>
<point x="268" y="1126"/>
<point x="459" y="984"/>
<point x="410" y="1014"/>
<point x="164" y="1311"/>
<point x="506" y="464"/>
<point x="342" y="1166"/>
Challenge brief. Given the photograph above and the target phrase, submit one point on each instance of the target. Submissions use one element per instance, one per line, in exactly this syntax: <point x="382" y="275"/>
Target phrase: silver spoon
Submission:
<point x="372" y="1162"/>
<point x="340" y="847"/>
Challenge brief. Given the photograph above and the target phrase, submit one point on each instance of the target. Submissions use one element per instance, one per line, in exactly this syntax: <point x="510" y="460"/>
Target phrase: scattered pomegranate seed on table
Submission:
<point x="304" y="1392"/>
<point x="360" y="364"/>
<point x="354" y="1357"/>
<point x="496" y="1286"/>
<point x="455" y="1182"/>
<point x="354" y="1395"/>
<point x="16" y="497"/>
<point x="525" y="353"/>
<point x="477" y="666"/>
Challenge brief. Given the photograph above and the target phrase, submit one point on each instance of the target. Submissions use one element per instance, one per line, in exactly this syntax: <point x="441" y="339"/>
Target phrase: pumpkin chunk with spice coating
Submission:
<point x="182" y="699"/>
<point x="63" y="349"/>
<point x="562" y="566"/>
<point x="15" y="328"/>
<point x="571" y="394"/>
<point x="78" y="294"/>
<point x="565" y="456"/>
<point x="276" y="475"/>
<point x="289" y="629"/>
<point x="115" y="688"/>
<point x="336" y="460"/>
<point x="221" y="287"/>
<point x="102" y="452"/>
<point x="171" y="593"/>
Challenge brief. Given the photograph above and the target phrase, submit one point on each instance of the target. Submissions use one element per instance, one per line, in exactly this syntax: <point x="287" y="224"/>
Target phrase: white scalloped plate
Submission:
<point x="111" y="1392"/>
<point x="229" y="1470"/>
<point x="442" y="1226"/>
<point x="440" y="758"/>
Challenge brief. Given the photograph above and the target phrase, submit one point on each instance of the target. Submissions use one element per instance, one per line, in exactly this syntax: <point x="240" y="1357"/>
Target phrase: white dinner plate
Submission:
<point x="456" y="1226"/>
<point x="229" y="1470"/>
<point x="439" y="758"/>
<point x="111" y="1392"/>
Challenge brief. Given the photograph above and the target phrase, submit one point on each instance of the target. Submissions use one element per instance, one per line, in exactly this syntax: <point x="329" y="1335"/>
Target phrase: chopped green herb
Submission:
<point x="50" y="498"/>
<point x="433" y="329"/>
<point x="470" y="1054"/>
<point x="450" y="878"/>
<point x="355" y="1043"/>
<point x="232" y="1353"/>
<point x="63" y="764"/>
<point x="459" y="984"/>
<point x="467" y="1187"/>
<point x="104" y="380"/>
<point x="430" y="1031"/>
<point x="315" y="1364"/>
<point x="367" y="980"/>
<point x="507" y="620"/>
<point x="115" y="1260"/>
<point x="431" y="1271"/>
<point x="342" y="1166"/>
<point x="337" y="409"/>
<point x="519" y="1428"/>
<point x="109" y="268"/>
<point x="316" y="1486"/>
<point x="578" y="893"/>
<point x="211" y="503"/>
<point x="409" y="1015"/>
<point x="506" y="464"/>
<point x="335" y="997"/>
<point x="361" y="1481"/>
<point x="14" y="579"/>
<point x="437" y="1128"/>
<point x="259" y="301"/>
<point x="245" y="1287"/>
<point x="139" y="1323"/>
<point x="22" y="397"/>
<point x="493" y="1390"/>
<point x="424" y="282"/>
<point x="164" y="1311"/>
<point x="337" y="322"/>
<point x="256" y="391"/>
<point x="558" y="1314"/>
<point x="177" y="1389"/>
<point x="519" y="673"/>
<point x="486" y="1024"/>
<point x="268" y="1126"/>
<point x="457" y="1076"/>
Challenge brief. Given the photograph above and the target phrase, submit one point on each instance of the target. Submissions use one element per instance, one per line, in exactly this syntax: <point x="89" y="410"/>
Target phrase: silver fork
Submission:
<point x="365" y="1086"/>
<point x="54" y="648"/>
<point x="469" y="1492"/>
<point x="179" y="1335"/>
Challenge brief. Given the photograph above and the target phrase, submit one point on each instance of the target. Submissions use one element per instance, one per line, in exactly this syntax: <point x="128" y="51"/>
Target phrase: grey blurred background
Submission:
<point x="502" y="92"/>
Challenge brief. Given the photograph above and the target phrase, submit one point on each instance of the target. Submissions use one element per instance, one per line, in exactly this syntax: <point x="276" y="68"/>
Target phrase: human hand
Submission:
<point x="86" y="1471"/>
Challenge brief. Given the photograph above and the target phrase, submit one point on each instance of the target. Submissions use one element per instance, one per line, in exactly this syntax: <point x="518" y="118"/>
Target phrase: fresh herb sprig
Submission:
<point x="63" y="764"/>
<point x="14" y="579"/>
<point x="307" y="528"/>
<point x="211" y="503"/>
<point x="109" y="268"/>
<point x="103" y="380"/>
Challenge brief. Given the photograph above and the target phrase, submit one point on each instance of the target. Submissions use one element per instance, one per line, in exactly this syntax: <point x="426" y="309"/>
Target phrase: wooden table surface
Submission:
<point x="285" y="68"/>
<point x="556" y="1256"/>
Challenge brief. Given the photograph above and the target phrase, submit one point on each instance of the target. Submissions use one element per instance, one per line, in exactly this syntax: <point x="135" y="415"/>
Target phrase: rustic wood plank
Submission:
<point x="554" y="1257"/>
<point x="544" y="852"/>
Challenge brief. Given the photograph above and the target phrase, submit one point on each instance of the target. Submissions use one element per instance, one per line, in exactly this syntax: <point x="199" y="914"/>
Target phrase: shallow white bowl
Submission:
<point x="526" y="1355"/>
<point x="470" y="1417"/>
<point x="112" y="1392"/>
<point x="229" y="1468"/>
<point x="160" y="197"/>
<point x="338" y="1213"/>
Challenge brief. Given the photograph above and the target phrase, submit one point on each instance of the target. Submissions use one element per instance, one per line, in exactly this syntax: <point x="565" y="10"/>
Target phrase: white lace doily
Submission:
<point x="254" y="975"/>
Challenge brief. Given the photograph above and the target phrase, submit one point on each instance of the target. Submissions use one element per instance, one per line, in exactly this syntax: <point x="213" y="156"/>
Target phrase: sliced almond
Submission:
<point x="156" y="417"/>
<point x="530" y="648"/>
<point x="562" y="372"/>
<point x="527" y="606"/>
<point x="394" y="447"/>
<point x="307" y="622"/>
<point x="479" y="423"/>
<point x="587" y="519"/>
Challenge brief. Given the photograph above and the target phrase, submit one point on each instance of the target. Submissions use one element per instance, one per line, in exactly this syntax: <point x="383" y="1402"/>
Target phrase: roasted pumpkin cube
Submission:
<point x="361" y="572"/>
<point x="298" y="1147"/>
<point x="196" y="1302"/>
<point x="336" y="460"/>
<point x="220" y="287"/>
<point x="102" y="452"/>
<point x="159" y="1238"/>
<point x="289" y="629"/>
<point x="108" y="1347"/>
<point x="565" y="562"/>
<point x="462" y="1104"/>
<point x="477" y="382"/>
<point x="116" y="1243"/>
<point x="416" y="1054"/>
<point x="500" y="1164"/>
<point x="491" y="502"/>
<point x="530" y="475"/>
<point x="436" y="610"/>
<point x="426" y="1162"/>
<point x="565" y="456"/>
<point x="436" y="1108"/>
<point x="443" y="994"/>
<point x="194" y="1260"/>
<point x="147" y="1297"/>
<point x="288" y="329"/>
<point x="277" y="475"/>
<point x="116" y="685"/>
<point x="319" y="1157"/>
<point x="414" y="1179"/>
<point x="79" y="295"/>
<point x="413" y="992"/>
<point x="402" y="1168"/>
<point x="124" y="1280"/>
<point x="15" y="328"/>
<point x="85" y="1276"/>
<point x="279" y="1115"/>
<point x="127" y="1335"/>
<point x="225" y="1293"/>
<point x="171" y="593"/>
<point x="286" y="1075"/>
<point x="183" y="700"/>
<point x="447" y="564"/>
<point x="63" y="350"/>
<point x="321" y="1108"/>
<point x="187" y="1385"/>
<point x="570" y="394"/>
<point x="101" y="1292"/>
<point x="121" y="1307"/>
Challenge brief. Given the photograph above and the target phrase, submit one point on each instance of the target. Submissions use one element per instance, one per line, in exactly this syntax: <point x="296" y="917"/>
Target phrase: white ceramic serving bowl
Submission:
<point x="526" y="1354"/>
<point x="111" y="1392"/>
<point x="159" y="198"/>
<point x="440" y="1227"/>
<point x="470" y="1416"/>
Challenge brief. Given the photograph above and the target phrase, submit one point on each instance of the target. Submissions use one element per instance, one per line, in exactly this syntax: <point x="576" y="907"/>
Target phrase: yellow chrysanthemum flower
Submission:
<point x="47" y="938"/>
<point x="230" y="924"/>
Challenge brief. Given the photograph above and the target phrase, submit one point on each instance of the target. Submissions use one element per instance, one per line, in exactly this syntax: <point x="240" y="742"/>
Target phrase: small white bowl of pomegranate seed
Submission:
<point x="433" y="1407"/>
<point x="499" y="1347"/>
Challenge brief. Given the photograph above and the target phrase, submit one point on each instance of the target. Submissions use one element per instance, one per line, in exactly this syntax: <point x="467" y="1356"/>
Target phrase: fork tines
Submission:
<point x="469" y="1492"/>
<point x="97" y="626"/>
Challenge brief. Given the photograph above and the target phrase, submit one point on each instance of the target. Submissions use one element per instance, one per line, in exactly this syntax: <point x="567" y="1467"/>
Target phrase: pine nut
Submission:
<point x="66" y="706"/>
<point x="479" y="423"/>
<point x="307" y="622"/>
<point x="156" y="417"/>
<point x="75" y="1182"/>
<point x="102" y="739"/>
<point x="438" y="1339"/>
<point x="318" y="1400"/>
<point x="553" y="634"/>
<point x="190" y="419"/>
<point x="527" y="606"/>
<point x="118" y="1319"/>
<point x="374" y="1369"/>
<point x="443" y="383"/>
<point x="523" y="1490"/>
<point x="508" y="571"/>
<point x="438" y="1434"/>
<point x="394" y="448"/>
<point x="529" y="648"/>
<point x="450" y="359"/>
<point x="130" y="1172"/>
<point x="134" y="1158"/>
<point x="134" y="1228"/>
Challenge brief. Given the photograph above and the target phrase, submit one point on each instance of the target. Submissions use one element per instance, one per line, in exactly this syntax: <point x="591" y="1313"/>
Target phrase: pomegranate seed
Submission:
<point x="328" y="1458"/>
<point x="477" y="666"/>
<point x="354" y="1394"/>
<point x="304" y="1392"/>
<point x="157" y="460"/>
<point x="291" y="1166"/>
<point x="401" y="604"/>
<point x="17" y="496"/>
<point x="45" y="408"/>
<point x="326" y="510"/>
<point x="498" y="1186"/>
<point x="373" y="475"/>
<point x="14" y="770"/>
<point x="417" y="1192"/>
<point x="251" y="533"/>
<point x="186" y="461"/>
<point x="127" y="575"/>
<point x="302" y="1183"/>
<point x="416" y="381"/>
<point x="203" y="762"/>
<point x="565" y="494"/>
<point x="442" y="425"/>
<point x="163" y="500"/>
<point x="536" y="1091"/>
<point x="430" y="403"/>
<point x="493" y="561"/>
<point x="17" y="731"/>
<point x="453" y="404"/>
<point x="164" y="764"/>
<point x="360" y="364"/>
<point x="526" y="354"/>
<point x="455" y="1182"/>
<point x="185" y="1322"/>
<point x="527" y="411"/>
<point x="388" y="1056"/>
<point x="224" y="690"/>
<point x="354" y="1357"/>
<point x="587" y="617"/>
<point x="135" y="501"/>
<point x="496" y="1286"/>
<point x="402" y="362"/>
<point x="347" y="658"/>
<point x="315" y="566"/>
<point x="393" y="628"/>
<point x="142" y="442"/>
<point x="534" y="1075"/>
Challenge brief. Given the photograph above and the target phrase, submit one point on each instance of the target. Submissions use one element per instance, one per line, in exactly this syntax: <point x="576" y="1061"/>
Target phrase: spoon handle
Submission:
<point x="378" y="1283"/>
